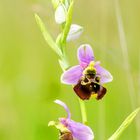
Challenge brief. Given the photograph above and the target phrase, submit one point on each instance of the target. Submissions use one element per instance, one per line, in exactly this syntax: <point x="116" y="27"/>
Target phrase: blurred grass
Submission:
<point x="29" y="71"/>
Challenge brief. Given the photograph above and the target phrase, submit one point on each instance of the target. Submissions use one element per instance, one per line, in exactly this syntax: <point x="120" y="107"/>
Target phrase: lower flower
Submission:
<point x="69" y="129"/>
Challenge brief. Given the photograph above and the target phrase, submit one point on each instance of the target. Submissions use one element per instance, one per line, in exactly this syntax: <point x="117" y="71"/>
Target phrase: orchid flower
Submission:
<point x="87" y="77"/>
<point x="69" y="129"/>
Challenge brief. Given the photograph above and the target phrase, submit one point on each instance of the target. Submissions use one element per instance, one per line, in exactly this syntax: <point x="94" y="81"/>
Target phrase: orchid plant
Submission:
<point x="87" y="78"/>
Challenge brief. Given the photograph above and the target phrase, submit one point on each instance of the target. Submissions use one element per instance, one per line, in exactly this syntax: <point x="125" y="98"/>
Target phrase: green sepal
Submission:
<point x="59" y="126"/>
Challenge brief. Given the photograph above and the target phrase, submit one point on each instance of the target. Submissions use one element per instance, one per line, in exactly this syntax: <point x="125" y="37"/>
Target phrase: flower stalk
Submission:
<point x="63" y="62"/>
<point x="83" y="111"/>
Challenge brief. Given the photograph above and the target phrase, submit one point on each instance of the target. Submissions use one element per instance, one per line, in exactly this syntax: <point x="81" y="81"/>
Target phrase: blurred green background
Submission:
<point x="30" y="73"/>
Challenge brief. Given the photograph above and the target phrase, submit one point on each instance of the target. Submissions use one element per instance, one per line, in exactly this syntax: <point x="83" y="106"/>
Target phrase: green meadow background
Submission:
<point x="30" y="73"/>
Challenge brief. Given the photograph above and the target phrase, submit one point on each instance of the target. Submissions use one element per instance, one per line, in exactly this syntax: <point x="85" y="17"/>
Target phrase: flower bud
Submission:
<point x="60" y="14"/>
<point x="75" y="32"/>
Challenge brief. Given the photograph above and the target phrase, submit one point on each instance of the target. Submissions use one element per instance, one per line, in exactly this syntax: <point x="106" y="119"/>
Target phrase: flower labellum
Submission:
<point x="88" y="77"/>
<point x="66" y="136"/>
<point x="69" y="129"/>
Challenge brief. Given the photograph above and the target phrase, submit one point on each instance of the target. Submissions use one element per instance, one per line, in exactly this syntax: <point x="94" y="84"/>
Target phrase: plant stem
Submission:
<point x="65" y="65"/>
<point x="83" y="111"/>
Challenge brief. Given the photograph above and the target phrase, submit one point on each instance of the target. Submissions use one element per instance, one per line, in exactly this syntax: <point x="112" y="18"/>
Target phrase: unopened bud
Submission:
<point x="75" y="32"/>
<point x="60" y="14"/>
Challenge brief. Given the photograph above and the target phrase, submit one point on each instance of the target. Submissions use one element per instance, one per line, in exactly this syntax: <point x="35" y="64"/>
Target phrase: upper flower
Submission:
<point x="88" y="77"/>
<point x="71" y="130"/>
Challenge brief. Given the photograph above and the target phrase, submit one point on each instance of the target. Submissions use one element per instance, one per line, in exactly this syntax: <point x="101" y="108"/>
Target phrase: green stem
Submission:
<point x="64" y="63"/>
<point x="83" y="111"/>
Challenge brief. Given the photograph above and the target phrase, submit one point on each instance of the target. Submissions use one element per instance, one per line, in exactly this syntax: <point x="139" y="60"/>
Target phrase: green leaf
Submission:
<point x="47" y="36"/>
<point x="68" y="24"/>
<point x="124" y="125"/>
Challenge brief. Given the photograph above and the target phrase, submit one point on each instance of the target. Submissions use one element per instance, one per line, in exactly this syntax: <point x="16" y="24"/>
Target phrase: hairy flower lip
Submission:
<point x="85" y="93"/>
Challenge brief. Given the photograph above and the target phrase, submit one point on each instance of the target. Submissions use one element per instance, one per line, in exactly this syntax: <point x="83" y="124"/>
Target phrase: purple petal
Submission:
<point x="85" y="55"/>
<point x="72" y="75"/>
<point x="105" y="76"/>
<point x="79" y="131"/>
<point x="65" y="107"/>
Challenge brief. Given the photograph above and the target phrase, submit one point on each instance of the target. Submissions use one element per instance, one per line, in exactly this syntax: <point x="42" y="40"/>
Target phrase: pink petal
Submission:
<point x="65" y="107"/>
<point x="85" y="55"/>
<point x="79" y="131"/>
<point x="105" y="76"/>
<point x="72" y="75"/>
